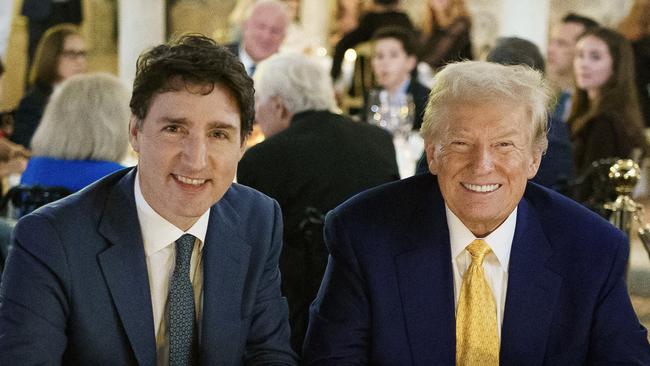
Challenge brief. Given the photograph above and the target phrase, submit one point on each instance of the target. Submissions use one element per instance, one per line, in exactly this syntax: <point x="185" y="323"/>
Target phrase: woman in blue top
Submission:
<point x="83" y="134"/>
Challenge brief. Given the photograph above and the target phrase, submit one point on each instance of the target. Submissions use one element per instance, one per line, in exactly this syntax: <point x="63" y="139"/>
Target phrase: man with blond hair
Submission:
<point x="473" y="264"/>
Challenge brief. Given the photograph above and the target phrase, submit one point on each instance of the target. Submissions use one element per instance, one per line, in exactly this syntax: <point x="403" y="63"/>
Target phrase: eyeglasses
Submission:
<point x="72" y="54"/>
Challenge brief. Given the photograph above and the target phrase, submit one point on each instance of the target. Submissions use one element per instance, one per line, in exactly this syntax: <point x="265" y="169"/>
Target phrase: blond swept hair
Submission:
<point x="480" y="82"/>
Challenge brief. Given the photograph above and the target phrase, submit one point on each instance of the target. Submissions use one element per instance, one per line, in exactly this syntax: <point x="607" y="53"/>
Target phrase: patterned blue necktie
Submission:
<point x="182" y="333"/>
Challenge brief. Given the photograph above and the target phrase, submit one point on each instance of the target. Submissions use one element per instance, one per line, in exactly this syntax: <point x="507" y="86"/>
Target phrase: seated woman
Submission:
<point x="605" y="118"/>
<point x="60" y="54"/>
<point x="384" y="13"/>
<point x="83" y="134"/>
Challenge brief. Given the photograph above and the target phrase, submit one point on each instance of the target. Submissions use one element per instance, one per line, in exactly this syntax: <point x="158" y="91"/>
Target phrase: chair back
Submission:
<point x="23" y="199"/>
<point x="363" y="80"/>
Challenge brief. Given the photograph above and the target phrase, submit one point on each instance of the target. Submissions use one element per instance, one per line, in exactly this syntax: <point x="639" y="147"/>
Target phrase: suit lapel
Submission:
<point x="531" y="295"/>
<point x="226" y="261"/>
<point x="425" y="281"/>
<point x="125" y="269"/>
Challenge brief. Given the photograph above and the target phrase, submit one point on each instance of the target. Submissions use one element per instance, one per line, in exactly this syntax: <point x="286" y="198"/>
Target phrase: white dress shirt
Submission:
<point x="158" y="236"/>
<point x="246" y="59"/>
<point x="495" y="264"/>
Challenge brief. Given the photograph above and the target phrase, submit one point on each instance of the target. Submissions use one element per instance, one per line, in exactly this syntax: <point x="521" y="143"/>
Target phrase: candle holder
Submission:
<point x="624" y="174"/>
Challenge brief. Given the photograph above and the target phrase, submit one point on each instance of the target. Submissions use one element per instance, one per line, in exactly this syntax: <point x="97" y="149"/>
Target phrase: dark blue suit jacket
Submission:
<point x="75" y="289"/>
<point x="388" y="299"/>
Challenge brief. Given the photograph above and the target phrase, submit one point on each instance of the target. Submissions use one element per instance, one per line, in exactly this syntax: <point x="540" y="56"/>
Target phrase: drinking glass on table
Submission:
<point x="394" y="113"/>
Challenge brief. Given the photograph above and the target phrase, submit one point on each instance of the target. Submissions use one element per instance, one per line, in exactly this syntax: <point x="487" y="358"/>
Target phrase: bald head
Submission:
<point x="265" y="28"/>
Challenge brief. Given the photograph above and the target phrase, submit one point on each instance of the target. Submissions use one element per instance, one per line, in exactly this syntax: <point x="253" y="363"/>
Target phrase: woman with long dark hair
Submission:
<point x="605" y="119"/>
<point x="60" y="54"/>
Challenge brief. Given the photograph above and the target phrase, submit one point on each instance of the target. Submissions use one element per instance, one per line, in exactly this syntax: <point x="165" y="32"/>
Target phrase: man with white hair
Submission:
<point x="311" y="161"/>
<point x="472" y="264"/>
<point x="263" y="33"/>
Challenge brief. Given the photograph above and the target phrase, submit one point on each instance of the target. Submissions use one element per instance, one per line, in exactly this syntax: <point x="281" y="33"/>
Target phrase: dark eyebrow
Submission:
<point x="211" y="125"/>
<point x="181" y="121"/>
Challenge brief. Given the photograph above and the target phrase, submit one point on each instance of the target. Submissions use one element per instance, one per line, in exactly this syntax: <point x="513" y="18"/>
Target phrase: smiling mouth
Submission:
<point x="481" y="188"/>
<point x="188" y="180"/>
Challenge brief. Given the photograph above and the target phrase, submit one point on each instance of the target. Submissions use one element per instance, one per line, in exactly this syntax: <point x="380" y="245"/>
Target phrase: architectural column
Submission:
<point x="317" y="13"/>
<point x="141" y="26"/>
<point x="526" y="19"/>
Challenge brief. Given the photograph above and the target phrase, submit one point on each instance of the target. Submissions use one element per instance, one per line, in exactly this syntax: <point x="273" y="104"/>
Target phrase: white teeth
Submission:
<point x="187" y="180"/>
<point x="481" y="188"/>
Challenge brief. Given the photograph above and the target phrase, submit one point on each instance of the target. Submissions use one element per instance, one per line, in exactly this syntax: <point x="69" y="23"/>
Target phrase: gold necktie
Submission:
<point x="477" y="337"/>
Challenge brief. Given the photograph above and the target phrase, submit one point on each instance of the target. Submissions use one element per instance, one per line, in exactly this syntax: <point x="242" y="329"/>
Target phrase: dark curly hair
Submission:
<point x="191" y="60"/>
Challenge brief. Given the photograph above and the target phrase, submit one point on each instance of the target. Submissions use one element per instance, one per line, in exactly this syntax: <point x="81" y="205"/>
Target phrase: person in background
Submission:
<point x="44" y="14"/>
<point x="472" y="264"/>
<point x="393" y="62"/>
<point x="605" y="118"/>
<point x="83" y="135"/>
<point x="13" y="157"/>
<point x="636" y="28"/>
<point x="264" y="31"/>
<point x="6" y="15"/>
<point x="344" y="17"/>
<point x="446" y="33"/>
<point x="311" y="160"/>
<point x="296" y="40"/>
<point x="559" y="59"/>
<point x="165" y="263"/>
<point x="384" y="13"/>
<point x="556" y="168"/>
<point x="60" y="54"/>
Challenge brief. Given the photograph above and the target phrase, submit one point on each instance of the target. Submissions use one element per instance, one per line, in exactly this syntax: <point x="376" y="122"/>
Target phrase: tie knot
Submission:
<point x="184" y="247"/>
<point x="478" y="249"/>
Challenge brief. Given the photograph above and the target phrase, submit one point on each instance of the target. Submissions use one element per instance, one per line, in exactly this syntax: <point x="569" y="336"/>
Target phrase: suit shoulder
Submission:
<point x="397" y="195"/>
<point x="563" y="216"/>
<point x="245" y="198"/>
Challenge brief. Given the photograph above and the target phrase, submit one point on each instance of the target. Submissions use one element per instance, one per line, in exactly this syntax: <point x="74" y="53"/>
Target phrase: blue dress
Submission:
<point x="71" y="174"/>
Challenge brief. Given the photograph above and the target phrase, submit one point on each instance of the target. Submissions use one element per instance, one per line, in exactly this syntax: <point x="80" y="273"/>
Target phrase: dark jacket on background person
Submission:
<point x="446" y="45"/>
<point x="29" y="112"/>
<point x="319" y="161"/>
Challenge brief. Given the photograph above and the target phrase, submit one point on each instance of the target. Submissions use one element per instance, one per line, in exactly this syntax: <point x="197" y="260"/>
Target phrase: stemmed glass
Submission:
<point x="394" y="113"/>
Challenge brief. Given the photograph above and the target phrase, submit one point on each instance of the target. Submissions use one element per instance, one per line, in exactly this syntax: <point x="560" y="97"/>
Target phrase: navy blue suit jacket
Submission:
<point x="75" y="289"/>
<point x="387" y="297"/>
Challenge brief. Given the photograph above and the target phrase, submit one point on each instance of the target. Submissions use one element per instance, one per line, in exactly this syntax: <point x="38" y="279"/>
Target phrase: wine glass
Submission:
<point x="394" y="113"/>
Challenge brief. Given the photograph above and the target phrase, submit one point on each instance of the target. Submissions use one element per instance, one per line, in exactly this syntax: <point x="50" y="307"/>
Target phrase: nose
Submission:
<point x="482" y="160"/>
<point x="195" y="153"/>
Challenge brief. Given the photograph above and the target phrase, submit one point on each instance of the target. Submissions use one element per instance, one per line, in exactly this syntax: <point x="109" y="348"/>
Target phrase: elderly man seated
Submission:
<point x="474" y="265"/>
<point x="311" y="161"/>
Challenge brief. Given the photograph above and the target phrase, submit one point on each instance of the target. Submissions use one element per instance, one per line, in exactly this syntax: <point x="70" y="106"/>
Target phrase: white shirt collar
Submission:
<point x="500" y="240"/>
<point x="405" y="86"/>
<point x="245" y="58"/>
<point x="158" y="233"/>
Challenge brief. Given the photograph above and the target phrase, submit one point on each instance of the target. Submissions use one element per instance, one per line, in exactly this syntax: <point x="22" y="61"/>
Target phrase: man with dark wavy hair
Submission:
<point x="165" y="263"/>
